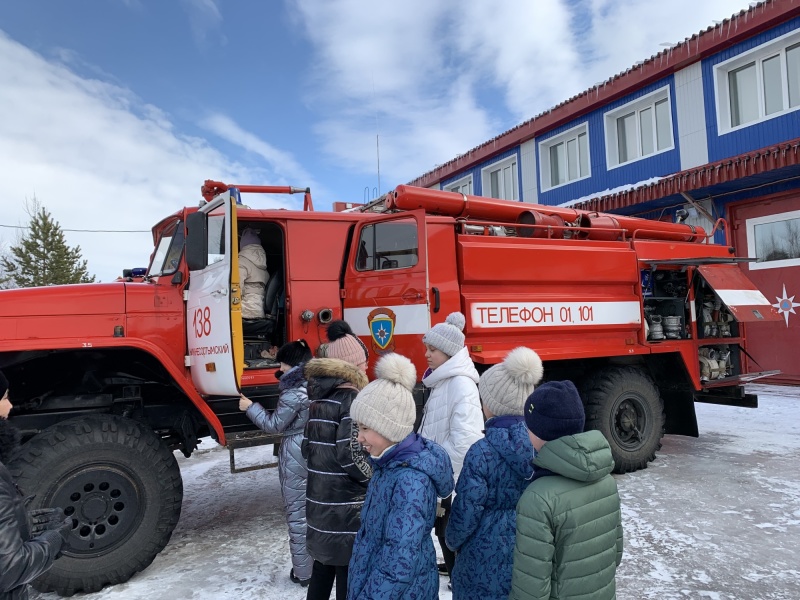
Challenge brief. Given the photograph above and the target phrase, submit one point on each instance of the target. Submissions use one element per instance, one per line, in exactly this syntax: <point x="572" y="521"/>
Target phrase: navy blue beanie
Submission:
<point x="554" y="410"/>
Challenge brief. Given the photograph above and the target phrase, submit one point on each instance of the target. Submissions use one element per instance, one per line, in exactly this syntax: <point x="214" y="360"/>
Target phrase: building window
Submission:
<point x="774" y="240"/>
<point x="462" y="186"/>
<point x="565" y="157"/>
<point x="759" y="84"/>
<point x="639" y="129"/>
<point x="390" y="245"/>
<point x="500" y="180"/>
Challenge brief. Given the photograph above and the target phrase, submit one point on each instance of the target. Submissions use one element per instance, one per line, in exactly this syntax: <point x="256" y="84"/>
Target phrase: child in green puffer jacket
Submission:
<point x="569" y="524"/>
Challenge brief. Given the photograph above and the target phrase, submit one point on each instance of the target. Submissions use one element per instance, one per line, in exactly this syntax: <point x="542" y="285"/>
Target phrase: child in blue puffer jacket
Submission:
<point x="393" y="555"/>
<point x="497" y="469"/>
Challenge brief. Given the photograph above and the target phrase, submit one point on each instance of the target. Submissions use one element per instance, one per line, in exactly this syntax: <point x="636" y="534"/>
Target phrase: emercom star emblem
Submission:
<point x="786" y="305"/>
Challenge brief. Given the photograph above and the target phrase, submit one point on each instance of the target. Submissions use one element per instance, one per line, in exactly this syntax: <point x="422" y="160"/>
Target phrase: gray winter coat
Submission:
<point x="289" y="419"/>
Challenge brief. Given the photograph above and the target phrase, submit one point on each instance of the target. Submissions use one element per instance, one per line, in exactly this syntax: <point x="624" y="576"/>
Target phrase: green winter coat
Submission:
<point x="569" y="525"/>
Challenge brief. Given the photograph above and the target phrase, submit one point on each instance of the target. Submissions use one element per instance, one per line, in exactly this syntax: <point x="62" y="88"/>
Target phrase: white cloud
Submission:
<point x="527" y="49"/>
<point x="98" y="158"/>
<point x="287" y="171"/>
<point x="437" y="78"/>
<point x="205" y="19"/>
<point x="623" y="33"/>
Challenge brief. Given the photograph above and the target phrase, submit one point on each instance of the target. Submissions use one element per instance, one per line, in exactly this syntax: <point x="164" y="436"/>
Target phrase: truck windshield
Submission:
<point x="168" y="253"/>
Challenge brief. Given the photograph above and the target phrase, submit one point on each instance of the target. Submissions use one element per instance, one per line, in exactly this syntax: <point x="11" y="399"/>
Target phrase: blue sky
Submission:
<point x="115" y="111"/>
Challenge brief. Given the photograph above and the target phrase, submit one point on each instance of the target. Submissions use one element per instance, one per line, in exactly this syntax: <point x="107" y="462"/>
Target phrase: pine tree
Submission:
<point x="5" y="280"/>
<point x="42" y="257"/>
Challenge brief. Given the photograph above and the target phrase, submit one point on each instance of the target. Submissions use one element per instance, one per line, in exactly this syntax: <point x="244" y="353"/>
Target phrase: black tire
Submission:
<point x="623" y="404"/>
<point x="121" y="485"/>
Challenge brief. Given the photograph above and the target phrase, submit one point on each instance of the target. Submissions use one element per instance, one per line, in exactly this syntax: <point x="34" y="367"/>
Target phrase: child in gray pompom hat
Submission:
<point x="496" y="471"/>
<point x="452" y="416"/>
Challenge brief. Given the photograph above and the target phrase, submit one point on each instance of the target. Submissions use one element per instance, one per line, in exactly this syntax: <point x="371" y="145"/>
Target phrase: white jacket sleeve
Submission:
<point x="466" y="420"/>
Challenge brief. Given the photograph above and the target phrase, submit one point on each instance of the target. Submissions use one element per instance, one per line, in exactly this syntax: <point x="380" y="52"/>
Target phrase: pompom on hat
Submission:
<point x="294" y="353"/>
<point x="553" y="410"/>
<point x="386" y="405"/>
<point x="448" y="336"/>
<point x="505" y="387"/>
<point x="344" y="345"/>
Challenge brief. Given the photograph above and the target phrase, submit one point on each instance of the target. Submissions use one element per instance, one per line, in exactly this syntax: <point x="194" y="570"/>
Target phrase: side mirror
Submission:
<point x="197" y="241"/>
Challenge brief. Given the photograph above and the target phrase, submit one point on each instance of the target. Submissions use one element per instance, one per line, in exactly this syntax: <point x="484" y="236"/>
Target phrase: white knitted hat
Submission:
<point x="448" y="336"/>
<point x="505" y="387"/>
<point x="386" y="404"/>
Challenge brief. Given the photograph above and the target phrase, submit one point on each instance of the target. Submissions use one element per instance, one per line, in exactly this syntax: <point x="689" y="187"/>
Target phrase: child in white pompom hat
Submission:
<point x="393" y="555"/>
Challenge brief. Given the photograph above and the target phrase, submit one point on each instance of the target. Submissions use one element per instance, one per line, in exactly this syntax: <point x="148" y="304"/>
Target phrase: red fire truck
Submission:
<point x="109" y="379"/>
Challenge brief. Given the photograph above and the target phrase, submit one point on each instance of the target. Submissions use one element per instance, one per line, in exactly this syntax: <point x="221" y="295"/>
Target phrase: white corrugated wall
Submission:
<point x="690" y="109"/>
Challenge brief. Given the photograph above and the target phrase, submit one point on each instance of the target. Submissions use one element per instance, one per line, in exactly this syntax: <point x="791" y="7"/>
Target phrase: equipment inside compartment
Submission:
<point x="667" y="317"/>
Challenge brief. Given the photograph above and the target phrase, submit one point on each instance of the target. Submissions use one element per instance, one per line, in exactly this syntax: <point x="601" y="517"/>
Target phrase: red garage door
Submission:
<point x="769" y="229"/>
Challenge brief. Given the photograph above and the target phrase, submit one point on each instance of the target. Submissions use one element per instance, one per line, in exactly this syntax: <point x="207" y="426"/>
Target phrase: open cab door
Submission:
<point x="385" y="295"/>
<point x="213" y="301"/>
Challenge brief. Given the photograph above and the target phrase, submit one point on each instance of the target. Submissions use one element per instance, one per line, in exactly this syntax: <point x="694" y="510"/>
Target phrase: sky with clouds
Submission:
<point x="115" y="112"/>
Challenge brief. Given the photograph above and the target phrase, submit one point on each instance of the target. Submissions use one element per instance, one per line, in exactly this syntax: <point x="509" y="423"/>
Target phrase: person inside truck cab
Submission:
<point x="253" y="277"/>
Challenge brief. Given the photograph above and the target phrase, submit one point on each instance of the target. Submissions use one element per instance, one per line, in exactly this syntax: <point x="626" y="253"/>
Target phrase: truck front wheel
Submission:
<point x="624" y="405"/>
<point x="121" y="486"/>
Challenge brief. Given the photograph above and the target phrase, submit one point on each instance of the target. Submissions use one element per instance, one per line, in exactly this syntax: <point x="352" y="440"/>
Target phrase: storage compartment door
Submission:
<point x="745" y="302"/>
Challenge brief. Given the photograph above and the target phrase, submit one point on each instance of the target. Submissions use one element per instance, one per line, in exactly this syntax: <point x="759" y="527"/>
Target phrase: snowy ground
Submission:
<point x="716" y="517"/>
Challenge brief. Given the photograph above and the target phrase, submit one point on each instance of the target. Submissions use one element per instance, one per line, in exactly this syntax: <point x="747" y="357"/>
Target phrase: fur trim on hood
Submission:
<point x="294" y="377"/>
<point x="336" y="369"/>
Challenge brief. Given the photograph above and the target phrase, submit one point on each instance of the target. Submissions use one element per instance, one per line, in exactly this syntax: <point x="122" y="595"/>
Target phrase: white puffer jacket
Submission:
<point x="253" y="278"/>
<point x="453" y="417"/>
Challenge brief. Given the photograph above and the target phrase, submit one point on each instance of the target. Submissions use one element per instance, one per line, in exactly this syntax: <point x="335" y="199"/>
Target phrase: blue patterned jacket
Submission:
<point x="482" y="526"/>
<point x="393" y="556"/>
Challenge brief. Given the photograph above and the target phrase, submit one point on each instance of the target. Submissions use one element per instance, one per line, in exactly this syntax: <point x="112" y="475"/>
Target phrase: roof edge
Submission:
<point x="750" y="163"/>
<point x="713" y="39"/>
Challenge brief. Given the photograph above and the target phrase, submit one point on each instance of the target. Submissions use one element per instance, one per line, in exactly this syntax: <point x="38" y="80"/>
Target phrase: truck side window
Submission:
<point x="168" y="252"/>
<point x="391" y="245"/>
<point x="216" y="239"/>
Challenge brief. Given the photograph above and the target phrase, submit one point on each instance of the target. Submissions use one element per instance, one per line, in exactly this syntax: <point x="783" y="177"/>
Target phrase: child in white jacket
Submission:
<point x="452" y="417"/>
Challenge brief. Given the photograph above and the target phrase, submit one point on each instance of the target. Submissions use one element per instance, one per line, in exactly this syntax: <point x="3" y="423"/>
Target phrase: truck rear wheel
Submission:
<point x="121" y="486"/>
<point x="624" y="405"/>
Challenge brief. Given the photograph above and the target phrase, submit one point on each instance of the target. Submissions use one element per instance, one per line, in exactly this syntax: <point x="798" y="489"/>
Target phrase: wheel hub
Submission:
<point x="628" y="420"/>
<point x="94" y="508"/>
<point x="104" y="503"/>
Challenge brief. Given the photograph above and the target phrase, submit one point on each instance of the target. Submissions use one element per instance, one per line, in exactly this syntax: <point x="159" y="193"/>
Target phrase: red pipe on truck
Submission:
<point x="453" y="204"/>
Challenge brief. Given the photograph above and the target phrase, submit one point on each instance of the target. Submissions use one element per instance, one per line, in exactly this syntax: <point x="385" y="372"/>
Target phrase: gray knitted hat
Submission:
<point x="386" y="404"/>
<point x="448" y="336"/>
<point x="505" y="387"/>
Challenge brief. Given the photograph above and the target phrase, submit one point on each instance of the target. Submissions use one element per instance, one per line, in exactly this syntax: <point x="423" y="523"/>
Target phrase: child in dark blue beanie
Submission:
<point x="569" y="521"/>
